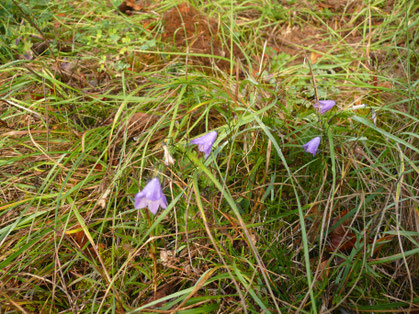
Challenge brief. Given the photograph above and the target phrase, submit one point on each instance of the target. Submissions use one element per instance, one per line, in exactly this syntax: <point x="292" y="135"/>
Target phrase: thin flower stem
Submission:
<point x="316" y="95"/>
<point x="233" y="206"/>
<point x="204" y="219"/>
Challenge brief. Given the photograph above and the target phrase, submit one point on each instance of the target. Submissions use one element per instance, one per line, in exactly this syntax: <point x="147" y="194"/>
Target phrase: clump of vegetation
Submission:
<point x="299" y="195"/>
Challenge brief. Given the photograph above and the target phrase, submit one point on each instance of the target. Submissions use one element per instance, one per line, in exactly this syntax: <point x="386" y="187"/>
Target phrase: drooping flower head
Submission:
<point x="312" y="145"/>
<point x="205" y="142"/>
<point x="151" y="196"/>
<point x="325" y="105"/>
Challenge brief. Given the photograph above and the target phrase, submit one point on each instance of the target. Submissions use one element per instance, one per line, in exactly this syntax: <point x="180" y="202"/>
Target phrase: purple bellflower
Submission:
<point x="325" y="105"/>
<point x="205" y="142"/>
<point x="151" y="196"/>
<point x="312" y="145"/>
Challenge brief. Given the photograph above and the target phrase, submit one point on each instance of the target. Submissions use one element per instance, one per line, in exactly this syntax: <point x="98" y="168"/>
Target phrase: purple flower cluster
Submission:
<point x="312" y="145"/>
<point x="152" y="195"/>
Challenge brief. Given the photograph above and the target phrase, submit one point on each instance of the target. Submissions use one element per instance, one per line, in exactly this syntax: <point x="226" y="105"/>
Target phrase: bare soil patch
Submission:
<point x="190" y="30"/>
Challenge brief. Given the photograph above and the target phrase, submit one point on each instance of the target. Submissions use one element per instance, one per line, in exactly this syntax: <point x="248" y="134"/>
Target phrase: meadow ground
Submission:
<point x="97" y="96"/>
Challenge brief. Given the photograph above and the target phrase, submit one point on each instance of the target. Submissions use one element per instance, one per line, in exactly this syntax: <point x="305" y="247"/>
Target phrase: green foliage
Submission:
<point x="82" y="131"/>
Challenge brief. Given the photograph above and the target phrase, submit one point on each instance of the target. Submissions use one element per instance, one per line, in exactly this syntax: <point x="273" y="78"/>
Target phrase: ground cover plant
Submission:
<point x="209" y="156"/>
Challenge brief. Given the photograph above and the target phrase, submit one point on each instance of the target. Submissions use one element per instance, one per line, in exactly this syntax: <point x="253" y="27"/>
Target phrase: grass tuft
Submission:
<point x="90" y="97"/>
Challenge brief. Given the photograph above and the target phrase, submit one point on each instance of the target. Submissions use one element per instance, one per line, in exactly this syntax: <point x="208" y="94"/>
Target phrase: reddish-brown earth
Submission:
<point x="190" y="30"/>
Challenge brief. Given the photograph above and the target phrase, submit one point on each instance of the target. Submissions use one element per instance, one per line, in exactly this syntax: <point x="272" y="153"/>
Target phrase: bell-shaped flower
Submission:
<point x="151" y="196"/>
<point x="205" y="142"/>
<point x="312" y="145"/>
<point x="325" y="105"/>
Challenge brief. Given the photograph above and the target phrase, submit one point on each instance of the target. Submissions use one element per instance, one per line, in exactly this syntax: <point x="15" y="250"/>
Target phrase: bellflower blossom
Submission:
<point x="312" y="145"/>
<point x="151" y="196"/>
<point x="205" y="142"/>
<point x="325" y="105"/>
